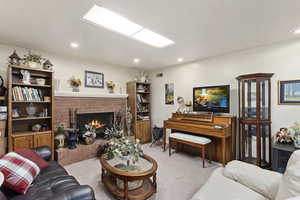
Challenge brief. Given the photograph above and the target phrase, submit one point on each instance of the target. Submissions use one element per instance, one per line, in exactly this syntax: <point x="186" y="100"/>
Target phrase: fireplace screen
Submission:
<point x="101" y="121"/>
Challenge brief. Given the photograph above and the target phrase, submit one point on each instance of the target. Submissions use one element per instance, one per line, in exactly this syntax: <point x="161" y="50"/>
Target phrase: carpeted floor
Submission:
<point x="178" y="176"/>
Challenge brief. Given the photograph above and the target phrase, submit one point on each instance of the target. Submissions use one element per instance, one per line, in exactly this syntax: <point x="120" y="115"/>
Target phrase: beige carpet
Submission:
<point x="178" y="176"/>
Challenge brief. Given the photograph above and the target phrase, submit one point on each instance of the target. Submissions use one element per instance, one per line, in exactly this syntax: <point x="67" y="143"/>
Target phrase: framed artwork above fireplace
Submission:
<point x="94" y="79"/>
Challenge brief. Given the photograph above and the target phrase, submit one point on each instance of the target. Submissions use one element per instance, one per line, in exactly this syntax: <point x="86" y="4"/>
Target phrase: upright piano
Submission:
<point x="220" y="128"/>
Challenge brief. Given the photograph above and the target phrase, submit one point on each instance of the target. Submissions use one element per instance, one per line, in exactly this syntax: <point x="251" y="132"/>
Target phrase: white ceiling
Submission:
<point x="200" y="28"/>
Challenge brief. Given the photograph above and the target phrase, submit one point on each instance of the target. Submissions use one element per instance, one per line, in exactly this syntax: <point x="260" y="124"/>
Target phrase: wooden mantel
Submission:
<point x="89" y="94"/>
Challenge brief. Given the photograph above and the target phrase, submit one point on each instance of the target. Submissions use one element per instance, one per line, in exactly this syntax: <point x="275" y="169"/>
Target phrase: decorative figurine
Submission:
<point x="15" y="113"/>
<point x="128" y="120"/>
<point x="182" y="106"/>
<point x="26" y="76"/>
<point x="47" y="65"/>
<point x="14" y="59"/>
<point x="60" y="136"/>
<point x="72" y="138"/>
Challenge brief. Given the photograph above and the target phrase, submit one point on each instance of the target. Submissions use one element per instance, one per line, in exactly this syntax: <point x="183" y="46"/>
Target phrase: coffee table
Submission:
<point x="138" y="184"/>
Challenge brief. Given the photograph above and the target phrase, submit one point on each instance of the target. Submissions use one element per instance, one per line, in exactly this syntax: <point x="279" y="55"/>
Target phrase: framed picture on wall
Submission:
<point x="94" y="79"/>
<point x="169" y="93"/>
<point x="289" y="92"/>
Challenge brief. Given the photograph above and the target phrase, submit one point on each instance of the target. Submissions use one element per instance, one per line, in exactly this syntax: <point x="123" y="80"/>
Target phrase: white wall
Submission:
<point x="282" y="59"/>
<point x="65" y="67"/>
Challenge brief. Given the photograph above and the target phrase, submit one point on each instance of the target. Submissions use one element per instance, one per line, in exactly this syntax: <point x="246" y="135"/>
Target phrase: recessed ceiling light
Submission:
<point x="180" y="59"/>
<point x="151" y="38"/>
<point x="74" y="45"/>
<point x="136" y="60"/>
<point x="115" y="22"/>
<point x="297" y="31"/>
<point x="112" y="21"/>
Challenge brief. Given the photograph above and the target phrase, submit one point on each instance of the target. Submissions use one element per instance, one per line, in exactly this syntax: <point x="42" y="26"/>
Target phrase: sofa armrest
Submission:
<point x="79" y="192"/>
<point x="44" y="152"/>
<point x="264" y="182"/>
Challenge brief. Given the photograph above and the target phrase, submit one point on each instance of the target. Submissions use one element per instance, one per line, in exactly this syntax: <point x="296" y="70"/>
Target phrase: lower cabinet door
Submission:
<point x="22" y="142"/>
<point x="43" y="139"/>
<point x="143" y="131"/>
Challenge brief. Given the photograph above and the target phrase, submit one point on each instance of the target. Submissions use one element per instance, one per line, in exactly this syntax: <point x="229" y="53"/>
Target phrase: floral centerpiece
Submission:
<point x="128" y="150"/>
<point x="75" y="83"/>
<point x="33" y="60"/>
<point x="283" y="136"/>
<point x="296" y="130"/>
<point x="111" y="86"/>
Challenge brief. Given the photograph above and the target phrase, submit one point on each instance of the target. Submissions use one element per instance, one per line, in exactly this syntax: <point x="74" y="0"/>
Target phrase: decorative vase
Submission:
<point x="72" y="139"/>
<point x="34" y="65"/>
<point x="110" y="90"/>
<point x="297" y="140"/>
<point x="31" y="110"/>
<point x="75" y="89"/>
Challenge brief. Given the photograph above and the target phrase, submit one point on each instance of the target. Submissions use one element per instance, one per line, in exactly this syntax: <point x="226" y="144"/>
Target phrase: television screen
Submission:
<point x="211" y="99"/>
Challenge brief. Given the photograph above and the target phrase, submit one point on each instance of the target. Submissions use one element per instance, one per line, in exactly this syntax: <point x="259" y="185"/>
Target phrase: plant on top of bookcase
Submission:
<point x="33" y="60"/>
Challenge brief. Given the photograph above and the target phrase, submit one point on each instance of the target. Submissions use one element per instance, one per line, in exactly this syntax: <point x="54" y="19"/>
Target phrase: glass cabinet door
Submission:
<point x="249" y="99"/>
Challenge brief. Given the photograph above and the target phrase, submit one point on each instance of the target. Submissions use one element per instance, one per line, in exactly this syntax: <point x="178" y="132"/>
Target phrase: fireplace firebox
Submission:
<point x="101" y="121"/>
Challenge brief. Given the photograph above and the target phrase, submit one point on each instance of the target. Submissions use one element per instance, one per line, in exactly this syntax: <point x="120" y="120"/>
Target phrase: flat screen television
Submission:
<point x="212" y="99"/>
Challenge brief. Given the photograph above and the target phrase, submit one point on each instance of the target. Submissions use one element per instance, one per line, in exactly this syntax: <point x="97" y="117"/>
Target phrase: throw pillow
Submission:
<point x="34" y="157"/>
<point x="262" y="181"/>
<point x="19" y="172"/>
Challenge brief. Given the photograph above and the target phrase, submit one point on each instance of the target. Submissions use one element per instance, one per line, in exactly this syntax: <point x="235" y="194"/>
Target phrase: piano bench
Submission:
<point x="196" y="141"/>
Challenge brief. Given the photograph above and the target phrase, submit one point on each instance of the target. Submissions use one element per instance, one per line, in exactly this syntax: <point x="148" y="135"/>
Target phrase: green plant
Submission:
<point x="296" y="127"/>
<point x="33" y="58"/>
<point x="126" y="149"/>
<point x="113" y="132"/>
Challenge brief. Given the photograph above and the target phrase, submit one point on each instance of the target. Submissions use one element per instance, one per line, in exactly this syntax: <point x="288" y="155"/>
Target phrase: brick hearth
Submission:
<point x="84" y="104"/>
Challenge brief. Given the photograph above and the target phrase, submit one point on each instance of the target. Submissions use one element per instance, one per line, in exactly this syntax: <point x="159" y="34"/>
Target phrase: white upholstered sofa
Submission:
<point x="242" y="181"/>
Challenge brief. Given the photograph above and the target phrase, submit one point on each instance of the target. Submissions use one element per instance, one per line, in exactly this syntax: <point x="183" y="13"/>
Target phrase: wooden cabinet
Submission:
<point x="33" y="104"/>
<point x="21" y="142"/>
<point x="143" y="130"/>
<point x="255" y="118"/>
<point x="43" y="139"/>
<point x="139" y="101"/>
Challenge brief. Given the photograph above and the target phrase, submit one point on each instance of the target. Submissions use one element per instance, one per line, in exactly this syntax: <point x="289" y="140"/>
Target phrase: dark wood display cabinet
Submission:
<point x="255" y="118"/>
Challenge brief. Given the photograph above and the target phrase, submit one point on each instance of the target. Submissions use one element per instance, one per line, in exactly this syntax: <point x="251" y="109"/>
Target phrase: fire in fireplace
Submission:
<point x="101" y="121"/>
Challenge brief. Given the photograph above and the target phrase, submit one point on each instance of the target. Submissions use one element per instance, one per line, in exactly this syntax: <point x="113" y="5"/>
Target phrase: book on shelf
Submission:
<point x="142" y="117"/>
<point x="27" y="94"/>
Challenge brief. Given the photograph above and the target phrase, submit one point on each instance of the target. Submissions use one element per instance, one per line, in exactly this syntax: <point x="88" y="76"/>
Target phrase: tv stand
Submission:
<point x="220" y="128"/>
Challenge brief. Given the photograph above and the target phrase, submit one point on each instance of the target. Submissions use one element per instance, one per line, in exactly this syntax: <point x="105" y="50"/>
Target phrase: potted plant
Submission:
<point x="111" y="86"/>
<point x="296" y="130"/>
<point x="33" y="60"/>
<point x="75" y="83"/>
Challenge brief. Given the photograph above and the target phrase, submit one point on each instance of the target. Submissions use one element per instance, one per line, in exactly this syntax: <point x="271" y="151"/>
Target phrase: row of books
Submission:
<point x="143" y="117"/>
<point x="141" y="99"/>
<point x="27" y="94"/>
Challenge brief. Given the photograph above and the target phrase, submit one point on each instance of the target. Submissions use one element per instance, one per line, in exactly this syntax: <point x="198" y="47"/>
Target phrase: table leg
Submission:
<point x="164" y="138"/>
<point x="102" y="174"/>
<point x="224" y="151"/>
<point x="125" y="189"/>
<point x="154" y="182"/>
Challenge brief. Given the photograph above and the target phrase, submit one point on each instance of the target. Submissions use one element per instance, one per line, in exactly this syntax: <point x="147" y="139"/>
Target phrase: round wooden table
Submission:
<point x="146" y="173"/>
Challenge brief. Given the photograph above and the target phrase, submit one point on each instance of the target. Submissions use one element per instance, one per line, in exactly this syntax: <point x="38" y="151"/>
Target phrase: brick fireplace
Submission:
<point x="85" y="103"/>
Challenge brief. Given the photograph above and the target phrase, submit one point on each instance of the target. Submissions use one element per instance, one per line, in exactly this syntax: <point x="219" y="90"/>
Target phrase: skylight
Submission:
<point x="151" y="38"/>
<point x="115" y="22"/>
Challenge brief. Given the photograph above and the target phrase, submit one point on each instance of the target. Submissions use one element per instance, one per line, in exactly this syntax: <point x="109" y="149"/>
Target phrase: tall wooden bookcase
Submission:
<point x="139" y="100"/>
<point x="20" y="132"/>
